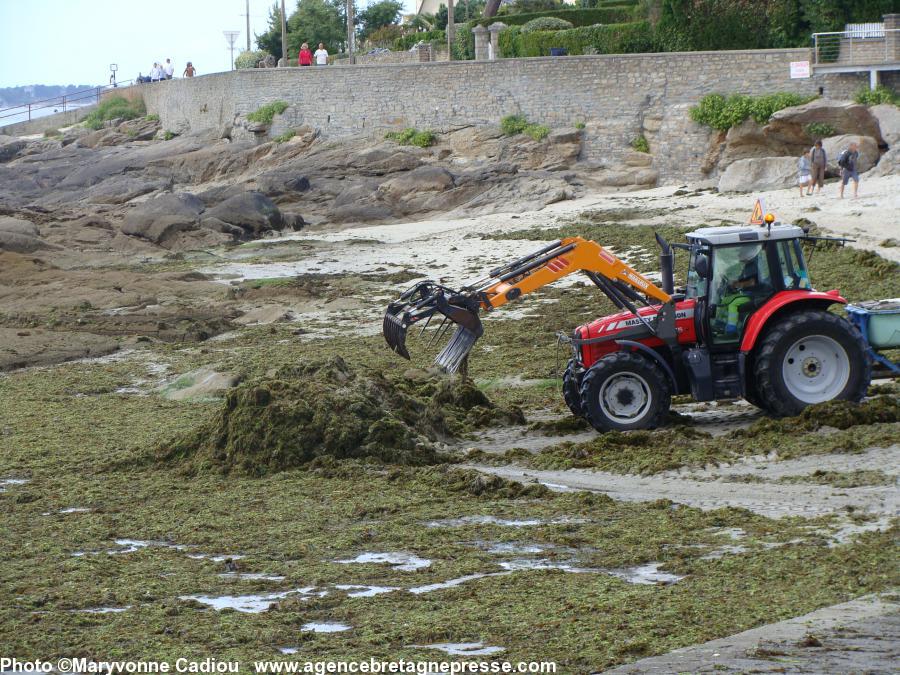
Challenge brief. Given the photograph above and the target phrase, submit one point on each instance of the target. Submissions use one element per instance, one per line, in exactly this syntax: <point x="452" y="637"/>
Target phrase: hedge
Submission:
<point x="577" y="17"/>
<point x="406" y="42"/>
<point x="546" y="23"/>
<point x="719" y="112"/>
<point x="622" y="38"/>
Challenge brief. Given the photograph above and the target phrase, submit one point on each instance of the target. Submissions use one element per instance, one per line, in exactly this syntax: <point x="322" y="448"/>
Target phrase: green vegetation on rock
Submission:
<point x="640" y="143"/>
<point x="880" y="94"/>
<point x="719" y="112"/>
<point x="286" y="136"/>
<point x="113" y="108"/>
<point x="266" y="113"/>
<point x="819" y="130"/>
<point x="412" y="136"/>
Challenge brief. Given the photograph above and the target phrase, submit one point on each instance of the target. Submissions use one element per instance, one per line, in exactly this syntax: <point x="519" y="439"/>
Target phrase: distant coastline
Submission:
<point x="13" y="96"/>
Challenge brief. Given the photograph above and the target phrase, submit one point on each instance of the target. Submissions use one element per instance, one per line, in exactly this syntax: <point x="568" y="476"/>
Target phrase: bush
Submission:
<point x="546" y="23"/>
<point x="266" y="113"/>
<point x="286" y="136"/>
<point x="820" y="130"/>
<point x="412" y="136"/>
<point x="152" y="118"/>
<point x="464" y="43"/>
<point x="640" y="143"/>
<point x="50" y="133"/>
<point x="246" y="59"/>
<point x="579" y="125"/>
<point x="622" y="38"/>
<point x="406" y="42"/>
<point x="513" y="124"/>
<point x="718" y="112"/>
<point x="577" y="17"/>
<point x="880" y="94"/>
<point x="116" y="107"/>
<point x="536" y="131"/>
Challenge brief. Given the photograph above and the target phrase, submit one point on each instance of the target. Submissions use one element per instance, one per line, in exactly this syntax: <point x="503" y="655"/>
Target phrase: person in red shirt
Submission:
<point x="305" y="57"/>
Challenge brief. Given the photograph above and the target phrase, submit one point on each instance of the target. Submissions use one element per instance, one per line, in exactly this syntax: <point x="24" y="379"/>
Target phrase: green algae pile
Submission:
<point x="330" y="409"/>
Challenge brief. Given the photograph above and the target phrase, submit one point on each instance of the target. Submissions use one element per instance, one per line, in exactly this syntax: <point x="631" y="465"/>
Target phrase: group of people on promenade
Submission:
<point x="812" y="164"/>
<point x="306" y="57"/>
<point x="160" y="71"/>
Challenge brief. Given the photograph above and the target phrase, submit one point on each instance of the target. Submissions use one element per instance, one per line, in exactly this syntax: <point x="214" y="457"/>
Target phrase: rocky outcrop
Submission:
<point x="868" y="151"/>
<point x="159" y="219"/>
<point x="10" y="147"/>
<point x="768" y="173"/>
<point x="888" y="117"/>
<point x="253" y="212"/>
<point x="845" y="117"/>
<point x="19" y="236"/>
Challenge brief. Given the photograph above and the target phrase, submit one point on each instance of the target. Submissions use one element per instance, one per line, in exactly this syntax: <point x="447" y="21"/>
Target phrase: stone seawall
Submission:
<point x="617" y="97"/>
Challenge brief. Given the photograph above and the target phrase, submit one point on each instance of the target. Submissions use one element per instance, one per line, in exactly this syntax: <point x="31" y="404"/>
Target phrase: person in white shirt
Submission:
<point x="155" y="73"/>
<point x="169" y="69"/>
<point x="321" y="55"/>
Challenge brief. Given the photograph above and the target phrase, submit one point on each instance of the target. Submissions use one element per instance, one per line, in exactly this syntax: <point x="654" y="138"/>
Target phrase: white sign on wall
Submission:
<point x="799" y="70"/>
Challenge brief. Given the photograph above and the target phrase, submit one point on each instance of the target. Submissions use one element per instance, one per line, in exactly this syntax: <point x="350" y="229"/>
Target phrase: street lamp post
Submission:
<point x="284" y="53"/>
<point x="350" y="32"/>
<point x="230" y="38"/>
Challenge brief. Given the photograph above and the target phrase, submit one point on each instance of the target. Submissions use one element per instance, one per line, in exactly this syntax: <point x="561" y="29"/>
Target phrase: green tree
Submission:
<point x="270" y="41"/>
<point x="378" y="15"/>
<point x="317" y="21"/>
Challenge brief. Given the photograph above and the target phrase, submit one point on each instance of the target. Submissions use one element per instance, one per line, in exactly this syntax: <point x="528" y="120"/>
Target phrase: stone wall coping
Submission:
<point x="500" y="63"/>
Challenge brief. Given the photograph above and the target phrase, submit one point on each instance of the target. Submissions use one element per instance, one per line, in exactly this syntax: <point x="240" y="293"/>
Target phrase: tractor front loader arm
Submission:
<point x="621" y="283"/>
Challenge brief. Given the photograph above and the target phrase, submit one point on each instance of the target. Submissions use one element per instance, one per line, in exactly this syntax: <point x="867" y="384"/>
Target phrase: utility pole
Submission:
<point x="284" y="54"/>
<point x="248" y="25"/>
<point x="350" y="32"/>
<point x="230" y="37"/>
<point x="451" y="29"/>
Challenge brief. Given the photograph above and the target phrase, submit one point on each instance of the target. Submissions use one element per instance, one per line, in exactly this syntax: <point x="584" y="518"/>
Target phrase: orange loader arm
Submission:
<point x="621" y="283"/>
<point x="573" y="254"/>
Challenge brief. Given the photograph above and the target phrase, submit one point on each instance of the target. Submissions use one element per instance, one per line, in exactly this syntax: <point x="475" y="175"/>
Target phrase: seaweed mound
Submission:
<point x="836" y="414"/>
<point x="329" y="409"/>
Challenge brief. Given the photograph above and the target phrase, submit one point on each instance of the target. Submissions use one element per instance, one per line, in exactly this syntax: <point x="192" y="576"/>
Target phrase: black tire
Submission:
<point x="837" y="365"/>
<point x="613" y="371"/>
<point x="571" y="387"/>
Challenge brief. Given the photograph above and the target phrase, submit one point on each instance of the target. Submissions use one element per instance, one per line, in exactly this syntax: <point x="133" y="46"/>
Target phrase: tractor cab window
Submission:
<point x="696" y="283"/>
<point x="740" y="283"/>
<point x="793" y="267"/>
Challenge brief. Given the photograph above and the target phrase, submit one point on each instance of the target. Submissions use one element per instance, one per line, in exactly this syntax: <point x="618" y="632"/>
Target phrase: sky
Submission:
<point x="75" y="41"/>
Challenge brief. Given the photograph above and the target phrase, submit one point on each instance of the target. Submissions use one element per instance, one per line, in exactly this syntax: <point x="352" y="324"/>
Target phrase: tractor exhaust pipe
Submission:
<point x="666" y="264"/>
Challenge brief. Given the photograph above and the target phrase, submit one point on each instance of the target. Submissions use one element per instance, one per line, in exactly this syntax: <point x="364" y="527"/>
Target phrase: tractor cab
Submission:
<point x="734" y="271"/>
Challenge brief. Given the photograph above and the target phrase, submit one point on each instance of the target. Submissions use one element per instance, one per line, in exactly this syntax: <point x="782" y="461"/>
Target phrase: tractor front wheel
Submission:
<point x="624" y="391"/>
<point x="810" y="357"/>
<point x="571" y="386"/>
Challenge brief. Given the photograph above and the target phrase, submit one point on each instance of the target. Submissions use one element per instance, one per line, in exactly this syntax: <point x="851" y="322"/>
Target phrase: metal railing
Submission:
<point x="77" y="99"/>
<point x="860" y="44"/>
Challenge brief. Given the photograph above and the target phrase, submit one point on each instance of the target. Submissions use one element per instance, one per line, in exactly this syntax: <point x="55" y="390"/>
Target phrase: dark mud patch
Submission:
<point x="328" y="410"/>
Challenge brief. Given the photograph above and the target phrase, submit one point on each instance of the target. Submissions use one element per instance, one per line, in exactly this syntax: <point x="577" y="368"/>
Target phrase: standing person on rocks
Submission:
<point x="849" y="163"/>
<point x="156" y="73"/>
<point x="169" y="69"/>
<point x="819" y="162"/>
<point x="305" y="57"/>
<point x="321" y="55"/>
<point x="189" y="70"/>
<point x="804" y="168"/>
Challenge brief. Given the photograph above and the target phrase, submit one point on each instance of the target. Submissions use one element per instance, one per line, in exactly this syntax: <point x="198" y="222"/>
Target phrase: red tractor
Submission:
<point x="748" y="324"/>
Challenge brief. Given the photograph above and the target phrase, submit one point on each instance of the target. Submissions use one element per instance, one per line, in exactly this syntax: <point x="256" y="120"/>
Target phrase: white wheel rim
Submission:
<point x="816" y="369"/>
<point x="625" y="398"/>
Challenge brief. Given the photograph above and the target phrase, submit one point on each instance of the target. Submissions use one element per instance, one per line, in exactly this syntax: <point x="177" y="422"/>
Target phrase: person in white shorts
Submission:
<point x="804" y="168"/>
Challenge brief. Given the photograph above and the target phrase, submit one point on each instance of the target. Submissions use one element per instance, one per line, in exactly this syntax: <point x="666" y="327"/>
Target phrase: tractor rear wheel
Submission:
<point x="810" y="357"/>
<point x="625" y="391"/>
<point x="571" y="386"/>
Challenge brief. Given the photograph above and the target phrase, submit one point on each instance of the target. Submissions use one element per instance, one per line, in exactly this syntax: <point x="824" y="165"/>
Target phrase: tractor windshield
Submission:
<point x="740" y="281"/>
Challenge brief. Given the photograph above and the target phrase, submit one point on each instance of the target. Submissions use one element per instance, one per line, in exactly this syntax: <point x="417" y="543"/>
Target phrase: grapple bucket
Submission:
<point x="420" y="304"/>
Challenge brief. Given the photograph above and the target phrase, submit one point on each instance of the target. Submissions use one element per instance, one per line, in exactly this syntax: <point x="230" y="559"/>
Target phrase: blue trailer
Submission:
<point x="879" y="323"/>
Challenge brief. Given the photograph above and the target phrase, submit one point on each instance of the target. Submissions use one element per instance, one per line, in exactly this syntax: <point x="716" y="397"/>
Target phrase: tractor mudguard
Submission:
<point x="760" y="318"/>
